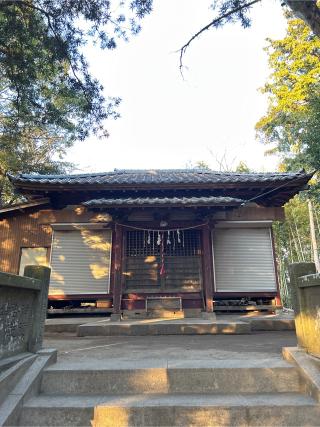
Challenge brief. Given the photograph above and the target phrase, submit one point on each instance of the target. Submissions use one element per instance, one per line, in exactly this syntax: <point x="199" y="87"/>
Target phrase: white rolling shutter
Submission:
<point x="80" y="261"/>
<point x="243" y="260"/>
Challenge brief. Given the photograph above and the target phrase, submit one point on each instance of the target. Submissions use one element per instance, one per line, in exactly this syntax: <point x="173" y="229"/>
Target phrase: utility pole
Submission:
<point x="313" y="237"/>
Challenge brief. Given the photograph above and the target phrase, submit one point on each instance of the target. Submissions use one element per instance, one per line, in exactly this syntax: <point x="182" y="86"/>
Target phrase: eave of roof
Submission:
<point x="168" y="178"/>
<point x="24" y="205"/>
<point x="164" y="201"/>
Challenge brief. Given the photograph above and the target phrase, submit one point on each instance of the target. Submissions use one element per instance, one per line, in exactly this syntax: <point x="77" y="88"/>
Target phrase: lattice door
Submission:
<point x="181" y="256"/>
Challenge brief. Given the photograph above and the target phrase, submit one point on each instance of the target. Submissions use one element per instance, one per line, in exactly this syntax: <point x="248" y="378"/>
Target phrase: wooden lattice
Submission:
<point x="145" y="243"/>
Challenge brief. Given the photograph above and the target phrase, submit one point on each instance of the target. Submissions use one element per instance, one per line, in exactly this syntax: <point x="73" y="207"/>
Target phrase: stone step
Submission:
<point x="189" y="376"/>
<point x="163" y="327"/>
<point x="272" y="324"/>
<point x="286" y="409"/>
<point x="10" y="377"/>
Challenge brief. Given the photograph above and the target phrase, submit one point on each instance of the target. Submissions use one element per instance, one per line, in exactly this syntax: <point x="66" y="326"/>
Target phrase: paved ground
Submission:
<point x="261" y="345"/>
<point x="82" y="319"/>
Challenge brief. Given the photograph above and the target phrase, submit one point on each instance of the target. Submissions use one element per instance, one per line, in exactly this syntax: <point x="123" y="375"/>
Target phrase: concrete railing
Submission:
<point x="23" y="307"/>
<point x="305" y="285"/>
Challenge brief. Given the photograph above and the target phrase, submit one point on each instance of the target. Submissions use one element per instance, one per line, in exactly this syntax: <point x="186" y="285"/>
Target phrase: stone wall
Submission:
<point x="23" y="306"/>
<point x="305" y="284"/>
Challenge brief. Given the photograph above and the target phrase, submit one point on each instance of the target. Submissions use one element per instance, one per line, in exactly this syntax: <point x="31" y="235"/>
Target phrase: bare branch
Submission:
<point x="211" y="24"/>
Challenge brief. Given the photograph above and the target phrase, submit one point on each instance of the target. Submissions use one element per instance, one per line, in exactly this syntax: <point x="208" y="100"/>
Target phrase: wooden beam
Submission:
<point x="117" y="287"/>
<point x="207" y="268"/>
<point x="248" y="213"/>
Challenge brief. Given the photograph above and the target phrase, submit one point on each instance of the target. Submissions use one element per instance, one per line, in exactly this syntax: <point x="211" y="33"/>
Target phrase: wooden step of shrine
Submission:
<point x="153" y="314"/>
<point x="158" y="307"/>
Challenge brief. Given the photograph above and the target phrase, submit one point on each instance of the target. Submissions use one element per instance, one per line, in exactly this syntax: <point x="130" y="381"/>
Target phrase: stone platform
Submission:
<point x="163" y="327"/>
<point x="224" y="324"/>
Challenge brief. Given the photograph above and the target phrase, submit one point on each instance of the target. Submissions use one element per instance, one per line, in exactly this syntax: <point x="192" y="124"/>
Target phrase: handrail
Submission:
<point x="14" y="281"/>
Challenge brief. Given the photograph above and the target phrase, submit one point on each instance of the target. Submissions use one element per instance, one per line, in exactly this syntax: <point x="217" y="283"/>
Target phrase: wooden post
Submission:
<point x="277" y="299"/>
<point x="117" y="287"/>
<point x="207" y="264"/>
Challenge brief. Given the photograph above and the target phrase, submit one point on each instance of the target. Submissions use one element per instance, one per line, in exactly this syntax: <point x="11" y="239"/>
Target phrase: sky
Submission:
<point x="170" y="122"/>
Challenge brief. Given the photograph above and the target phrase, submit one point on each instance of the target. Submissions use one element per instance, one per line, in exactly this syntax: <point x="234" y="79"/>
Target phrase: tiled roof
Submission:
<point x="159" y="201"/>
<point x="24" y="203"/>
<point x="157" y="176"/>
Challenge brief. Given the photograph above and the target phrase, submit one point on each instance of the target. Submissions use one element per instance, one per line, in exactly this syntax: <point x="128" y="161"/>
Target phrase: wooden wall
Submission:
<point x="20" y="231"/>
<point x="252" y="213"/>
<point x="31" y="228"/>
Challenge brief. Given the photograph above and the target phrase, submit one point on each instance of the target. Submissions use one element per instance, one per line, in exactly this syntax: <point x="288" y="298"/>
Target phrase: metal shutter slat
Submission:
<point x="80" y="262"/>
<point x="243" y="260"/>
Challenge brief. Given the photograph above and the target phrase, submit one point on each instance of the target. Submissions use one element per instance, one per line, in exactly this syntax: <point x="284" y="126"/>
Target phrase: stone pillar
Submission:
<point x="309" y="300"/>
<point x="40" y="305"/>
<point x="296" y="270"/>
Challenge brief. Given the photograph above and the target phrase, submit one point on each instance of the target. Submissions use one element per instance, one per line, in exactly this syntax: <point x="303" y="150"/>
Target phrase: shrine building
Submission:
<point x="129" y="240"/>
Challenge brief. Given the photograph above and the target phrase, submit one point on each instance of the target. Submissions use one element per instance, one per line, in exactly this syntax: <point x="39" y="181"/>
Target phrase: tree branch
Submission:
<point x="213" y="23"/>
<point x="58" y="38"/>
<point x="5" y="3"/>
<point x="308" y="11"/>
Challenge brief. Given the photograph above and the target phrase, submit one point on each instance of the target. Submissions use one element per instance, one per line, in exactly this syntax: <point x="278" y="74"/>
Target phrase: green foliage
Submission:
<point x="232" y="11"/>
<point x="294" y="233"/>
<point x="306" y="131"/>
<point x="294" y="96"/>
<point x="48" y="98"/>
<point x="292" y="126"/>
<point x="243" y="167"/>
<point x="292" y="240"/>
<point x="42" y="65"/>
<point x="201" y="164"/>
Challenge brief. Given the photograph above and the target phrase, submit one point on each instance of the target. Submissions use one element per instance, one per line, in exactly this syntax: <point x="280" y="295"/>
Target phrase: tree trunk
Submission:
<point x="299" y="240"/>
<point x="313" y="237"/>
<point x="298" y="255"/>
<point x="308" y="11"/>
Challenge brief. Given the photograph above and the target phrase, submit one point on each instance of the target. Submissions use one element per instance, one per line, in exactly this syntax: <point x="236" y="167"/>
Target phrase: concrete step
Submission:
<point x="10" y="377"/>
<point x="189" y="376"/>
<point x="272" y="324"/>
<point x="163" y="327"/>
<point x="286" y="409"/>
